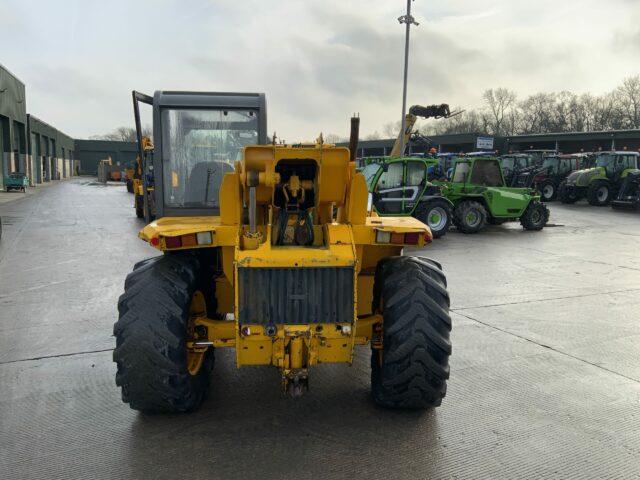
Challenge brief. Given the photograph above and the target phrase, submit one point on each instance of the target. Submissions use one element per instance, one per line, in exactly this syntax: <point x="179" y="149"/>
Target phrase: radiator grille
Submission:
<point x="295" y="295"/>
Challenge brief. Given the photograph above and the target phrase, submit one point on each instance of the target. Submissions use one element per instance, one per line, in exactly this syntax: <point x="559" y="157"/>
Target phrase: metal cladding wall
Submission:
<point x="90" y="152"/>
<point x="13" y="121"/>
<point x="51" y="151"/>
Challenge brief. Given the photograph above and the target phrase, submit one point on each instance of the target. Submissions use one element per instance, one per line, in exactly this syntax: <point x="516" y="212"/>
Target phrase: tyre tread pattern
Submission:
<point x="150" y="337"/>
<point x="417" y="326"/>
<point x="460" y="213"/>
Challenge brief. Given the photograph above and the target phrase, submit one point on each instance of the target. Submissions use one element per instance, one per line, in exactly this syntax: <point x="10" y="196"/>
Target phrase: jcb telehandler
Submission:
<point x="272" y="250"/>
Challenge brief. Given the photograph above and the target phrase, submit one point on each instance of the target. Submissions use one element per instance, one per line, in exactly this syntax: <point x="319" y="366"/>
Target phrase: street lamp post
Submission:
<point x="408" y="20"/>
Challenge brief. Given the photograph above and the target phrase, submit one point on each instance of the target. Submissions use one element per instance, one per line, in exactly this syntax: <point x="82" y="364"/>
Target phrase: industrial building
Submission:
<point x="90" y="152"/>
<point x="28" y="144"/>
<point x="470" y="142"/>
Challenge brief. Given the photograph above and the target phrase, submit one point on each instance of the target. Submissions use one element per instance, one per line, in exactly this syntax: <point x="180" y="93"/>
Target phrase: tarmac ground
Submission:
<point x="545" y="372"/>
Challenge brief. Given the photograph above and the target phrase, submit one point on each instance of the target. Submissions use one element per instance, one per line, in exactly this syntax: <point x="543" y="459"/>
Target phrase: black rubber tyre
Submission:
<point x="436" y="213"/>
<point x="566" y="195"/>
<point x="599" y="193"/>
<point x="412" y="369"/>
<point x="548" y="191"/>
<point x="139" y="207"/>
<point x="535" y="216"/>
<point x="151" y="333"/>
<point x="470" y="216"/>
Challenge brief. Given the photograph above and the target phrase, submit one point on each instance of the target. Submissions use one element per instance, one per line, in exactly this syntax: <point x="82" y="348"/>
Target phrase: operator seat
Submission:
<point x="197" y="185"/>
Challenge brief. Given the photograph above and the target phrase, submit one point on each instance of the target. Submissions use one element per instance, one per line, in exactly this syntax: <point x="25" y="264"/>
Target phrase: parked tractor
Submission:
<point x="601" y="183"/>
<point x="554" y="170"/>
<point x="270" y="250"/>
<point x="629" y="193"/>
<point x="519" y="169"/>
<point x="479" y="195"/>
<point x="402" y="187"/>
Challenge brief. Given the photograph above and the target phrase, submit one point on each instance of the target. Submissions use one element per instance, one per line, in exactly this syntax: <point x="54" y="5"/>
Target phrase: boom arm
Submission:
<point x="431" y="111"/>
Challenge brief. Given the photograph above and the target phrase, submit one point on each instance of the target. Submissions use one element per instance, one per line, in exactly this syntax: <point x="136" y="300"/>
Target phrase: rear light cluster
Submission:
<point x="398" y="238"/>
<point x="190" y="240"/>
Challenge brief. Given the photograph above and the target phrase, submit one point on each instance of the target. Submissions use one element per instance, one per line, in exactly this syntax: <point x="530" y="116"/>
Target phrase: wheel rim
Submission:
<point x="547" y="191"/>
<point x="536" y="216"/>
<point x="437" y="219"/>
<point x="603" y="193"/>
<point x="473" y="218"/>
<point x="195" y="355"/>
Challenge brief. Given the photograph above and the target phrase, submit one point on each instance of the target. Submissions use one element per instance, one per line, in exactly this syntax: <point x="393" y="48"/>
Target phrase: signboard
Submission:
<point x="484" y="143"/>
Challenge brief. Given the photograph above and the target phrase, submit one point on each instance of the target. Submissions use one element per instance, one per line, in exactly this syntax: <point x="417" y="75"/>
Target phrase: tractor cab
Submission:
<point x="482" y="172"/>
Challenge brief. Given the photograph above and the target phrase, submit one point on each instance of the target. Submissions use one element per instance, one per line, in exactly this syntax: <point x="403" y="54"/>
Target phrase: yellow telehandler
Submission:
<point x="272" y="250"/>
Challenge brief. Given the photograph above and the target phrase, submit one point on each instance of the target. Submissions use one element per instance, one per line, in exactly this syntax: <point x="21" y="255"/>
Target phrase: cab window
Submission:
<point x="392" y="178"/>
<point x="486" y="173"/>
<point x="626" y="161"/>
<point x="415" y="173"/>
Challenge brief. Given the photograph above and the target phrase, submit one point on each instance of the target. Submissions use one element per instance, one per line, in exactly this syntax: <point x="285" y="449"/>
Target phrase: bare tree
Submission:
<point x="498" y="102"/>
<point x="335" y="138"/>
<point x="373" y="136"/>
<point x="629" y="97"/>
<point x="391" y="129"/>
<point x="124" y="134"/>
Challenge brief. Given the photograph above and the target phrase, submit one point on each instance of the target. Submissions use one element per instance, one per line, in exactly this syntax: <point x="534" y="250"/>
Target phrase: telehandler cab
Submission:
<point x="272" y="250"/>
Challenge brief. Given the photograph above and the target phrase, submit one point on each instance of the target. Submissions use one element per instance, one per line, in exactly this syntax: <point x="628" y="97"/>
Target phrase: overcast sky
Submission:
<point x="318" y="61"/>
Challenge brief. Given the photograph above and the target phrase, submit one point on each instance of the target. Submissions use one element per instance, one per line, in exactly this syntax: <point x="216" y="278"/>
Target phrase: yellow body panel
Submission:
<point x="344" y="236"/>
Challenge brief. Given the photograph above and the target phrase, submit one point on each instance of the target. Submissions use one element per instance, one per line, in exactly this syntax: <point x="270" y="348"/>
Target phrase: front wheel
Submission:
<point x="567" y="194"/>
<point x="470" y="216"/>
<point x="156" y="371"/>
<point x="535" y="217"/>
<point x="599" y="193"/>
<point x="548" y="191"/>
<point x="412" y="367"/>
<point x="436" y="213"/>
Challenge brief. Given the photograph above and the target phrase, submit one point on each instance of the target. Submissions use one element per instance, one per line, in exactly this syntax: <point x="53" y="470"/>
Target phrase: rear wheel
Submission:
<point x="548" y="191"/>
<point x="599" y="193"/>
<point x="156" y="371"/>
<point x="535" y="216"/>
<point x="436" y="213"/>
<point x="567" y="194"/>
<point x="470" y="216"/>
<point x="412" y="368"/>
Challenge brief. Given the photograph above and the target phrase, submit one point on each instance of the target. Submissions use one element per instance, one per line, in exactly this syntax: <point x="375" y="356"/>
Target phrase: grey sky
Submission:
<point x="317" y="61"/>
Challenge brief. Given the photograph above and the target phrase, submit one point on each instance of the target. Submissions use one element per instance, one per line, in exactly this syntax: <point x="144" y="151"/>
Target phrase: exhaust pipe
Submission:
<point x="353" y="137"/>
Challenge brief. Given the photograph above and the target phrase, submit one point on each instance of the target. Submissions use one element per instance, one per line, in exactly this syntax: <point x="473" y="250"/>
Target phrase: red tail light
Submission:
<point x="173" y="242"/>
<point x="411" y="238"/>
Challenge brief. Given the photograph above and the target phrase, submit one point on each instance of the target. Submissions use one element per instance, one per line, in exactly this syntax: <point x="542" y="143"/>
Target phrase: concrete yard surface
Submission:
<point x="545" y="371"/>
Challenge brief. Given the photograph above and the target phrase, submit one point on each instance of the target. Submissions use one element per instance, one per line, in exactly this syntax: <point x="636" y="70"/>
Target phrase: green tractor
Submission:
<point x="401" y="187"/>
<point x="479" y="195"/>
<point x="601" y="183"/>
